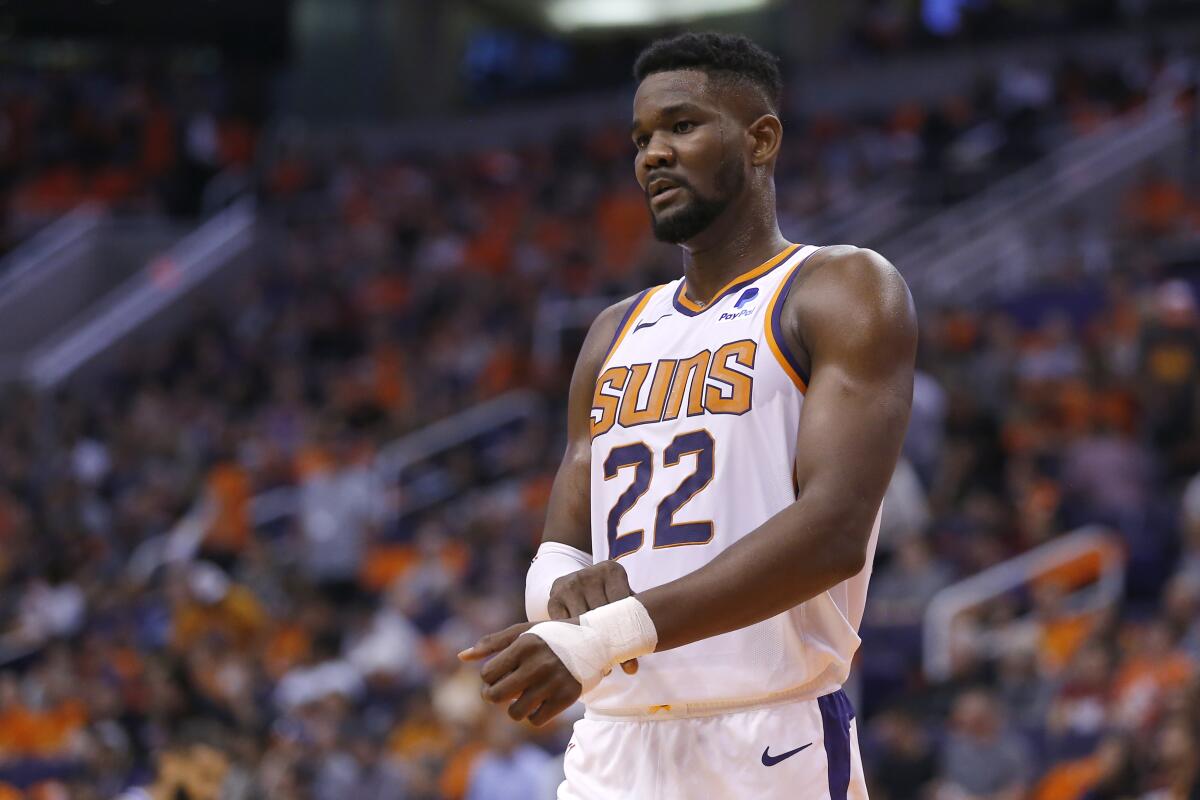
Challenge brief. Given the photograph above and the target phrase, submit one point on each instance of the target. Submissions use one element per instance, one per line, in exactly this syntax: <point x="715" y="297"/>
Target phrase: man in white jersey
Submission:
<point x="700" y="523"/>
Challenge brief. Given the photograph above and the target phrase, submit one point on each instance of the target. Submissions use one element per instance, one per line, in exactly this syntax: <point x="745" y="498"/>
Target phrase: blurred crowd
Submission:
<point x="924" y="154"/>
<point x="212" y="587"/>
<point x="132" y="131"/>
<point x="1069" y="406"/>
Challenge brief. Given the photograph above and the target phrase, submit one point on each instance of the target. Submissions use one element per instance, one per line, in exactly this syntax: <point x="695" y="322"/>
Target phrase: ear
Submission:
<point x="766" y="136"/>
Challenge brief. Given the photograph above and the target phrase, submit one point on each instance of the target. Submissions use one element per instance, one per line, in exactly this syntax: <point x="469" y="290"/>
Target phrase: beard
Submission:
<point x="697" y="212"/>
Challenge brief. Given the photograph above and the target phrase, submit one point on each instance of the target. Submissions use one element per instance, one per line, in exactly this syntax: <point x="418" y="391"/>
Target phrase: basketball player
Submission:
<point x="731" y="435"/>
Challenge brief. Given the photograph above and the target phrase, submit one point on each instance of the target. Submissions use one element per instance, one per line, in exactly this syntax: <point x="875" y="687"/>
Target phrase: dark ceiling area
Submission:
<point x="254" y="28"/>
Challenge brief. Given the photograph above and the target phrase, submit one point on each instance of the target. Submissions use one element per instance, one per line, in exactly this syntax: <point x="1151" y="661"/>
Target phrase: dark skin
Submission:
<point x="850" y="320"/>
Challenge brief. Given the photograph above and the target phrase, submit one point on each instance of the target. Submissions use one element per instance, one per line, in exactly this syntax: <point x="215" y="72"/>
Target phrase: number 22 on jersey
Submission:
<point x="667" y="532"/>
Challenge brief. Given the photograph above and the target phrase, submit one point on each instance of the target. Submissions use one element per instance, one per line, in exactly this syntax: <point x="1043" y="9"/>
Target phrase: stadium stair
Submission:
<point x="89" y="280"/>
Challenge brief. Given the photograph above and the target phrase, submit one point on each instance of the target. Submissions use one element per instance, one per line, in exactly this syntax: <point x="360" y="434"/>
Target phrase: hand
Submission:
<point x="525" y="669"/>
<point x="591" y="587"/>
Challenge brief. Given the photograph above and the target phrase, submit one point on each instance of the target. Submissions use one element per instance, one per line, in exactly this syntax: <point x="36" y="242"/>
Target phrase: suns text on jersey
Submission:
<point x="708" y="382"/>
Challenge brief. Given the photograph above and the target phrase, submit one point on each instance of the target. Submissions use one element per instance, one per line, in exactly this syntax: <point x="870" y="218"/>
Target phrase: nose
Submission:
<point x="658" y="154"/>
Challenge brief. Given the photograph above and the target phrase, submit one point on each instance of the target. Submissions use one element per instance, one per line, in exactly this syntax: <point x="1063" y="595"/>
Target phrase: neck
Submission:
<point x="732" y="245"/>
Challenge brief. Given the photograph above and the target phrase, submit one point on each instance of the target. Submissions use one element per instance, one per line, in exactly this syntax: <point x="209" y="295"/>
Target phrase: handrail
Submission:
<point x="1005" y="195"/>
<point x="879" y="210"/>
<point x="974" y="262"/>
<point x="1002" y="578"/>
<point x="145" y="293"/>
<point x="177" y="545"/>
<point x="455" y="430"/>
<point x="956" y="249"/>
<point x="400" y="454"/>
<point x="66" y="231"/>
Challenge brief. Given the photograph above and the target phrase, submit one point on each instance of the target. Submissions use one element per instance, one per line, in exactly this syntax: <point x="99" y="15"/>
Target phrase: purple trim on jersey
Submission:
<point x="836" y="713"/>
<point x="682" y="309"/>
<point x="624" y="321"/>
<point x="777" y="313"/>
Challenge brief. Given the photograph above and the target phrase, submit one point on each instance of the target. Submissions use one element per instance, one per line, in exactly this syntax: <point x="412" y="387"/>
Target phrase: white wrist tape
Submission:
<point x="553" y="560"/>
<point x="604" y="637"/>
<point x="581" y="650"/>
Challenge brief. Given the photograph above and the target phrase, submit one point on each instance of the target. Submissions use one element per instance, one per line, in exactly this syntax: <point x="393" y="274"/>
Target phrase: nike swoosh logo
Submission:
<point x="641" y="325"/>
<point x="769" y="760"/>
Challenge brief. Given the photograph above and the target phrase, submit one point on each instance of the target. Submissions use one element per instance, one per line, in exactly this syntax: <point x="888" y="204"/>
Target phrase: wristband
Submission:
<point x="604" y="637"/>
<point x="553" y="560"/>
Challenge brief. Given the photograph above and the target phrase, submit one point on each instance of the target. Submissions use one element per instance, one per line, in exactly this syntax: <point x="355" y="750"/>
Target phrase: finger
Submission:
<point x="528" y="702"/>
<point x="575" y="603"/>
<point x="630" y="667"/>
<point x="553" y="706"/>
<point x="508" y="660"/>
<point x="558" y="610"/>
<point x="489" y="645"/>
<point x="500" y="665"/>
<point x="510" y="686"/>
<point x="593" y="593"/>
<point x="494" y="642"/>
<point x="616" y="585"/>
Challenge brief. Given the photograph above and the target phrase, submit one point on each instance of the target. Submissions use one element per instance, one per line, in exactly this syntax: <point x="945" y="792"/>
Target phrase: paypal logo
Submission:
<point x="746" y="297"/>
<point x="743" y="307"/>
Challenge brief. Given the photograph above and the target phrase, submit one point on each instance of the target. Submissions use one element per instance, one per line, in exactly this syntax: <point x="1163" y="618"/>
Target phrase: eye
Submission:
<point x="684" y="126"/>
<point x="640" y="142"/>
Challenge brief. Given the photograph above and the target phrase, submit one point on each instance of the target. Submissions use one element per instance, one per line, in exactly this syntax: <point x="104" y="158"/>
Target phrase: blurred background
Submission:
<point x="290" y="292"/>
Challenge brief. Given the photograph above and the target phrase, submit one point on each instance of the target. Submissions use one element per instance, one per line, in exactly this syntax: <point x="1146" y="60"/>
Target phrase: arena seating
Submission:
<point x="311" y="653"/>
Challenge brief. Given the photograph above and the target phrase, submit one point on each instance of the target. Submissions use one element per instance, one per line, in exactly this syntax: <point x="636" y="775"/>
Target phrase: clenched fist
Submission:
<point x="589" y="588"/>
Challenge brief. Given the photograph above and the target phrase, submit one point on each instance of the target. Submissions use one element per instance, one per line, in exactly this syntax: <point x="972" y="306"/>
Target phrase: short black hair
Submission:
<point x="723" y="54"/>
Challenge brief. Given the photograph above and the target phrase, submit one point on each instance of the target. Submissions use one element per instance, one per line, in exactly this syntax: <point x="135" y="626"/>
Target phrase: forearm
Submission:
<point x="792" y="557"/>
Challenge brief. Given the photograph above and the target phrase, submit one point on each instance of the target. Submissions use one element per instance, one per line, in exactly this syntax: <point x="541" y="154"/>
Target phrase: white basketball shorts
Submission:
<point x="798" y="750"/>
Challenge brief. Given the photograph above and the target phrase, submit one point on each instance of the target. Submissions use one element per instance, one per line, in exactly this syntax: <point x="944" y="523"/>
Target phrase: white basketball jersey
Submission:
<point x="694" y="424"/>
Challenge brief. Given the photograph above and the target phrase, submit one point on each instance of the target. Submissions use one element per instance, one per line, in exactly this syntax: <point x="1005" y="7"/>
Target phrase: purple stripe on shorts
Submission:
<point x="836" y="713"/>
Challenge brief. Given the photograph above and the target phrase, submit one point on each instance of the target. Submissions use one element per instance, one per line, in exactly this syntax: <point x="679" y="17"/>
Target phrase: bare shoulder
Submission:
<point x="848" y="272"/>
<point x="851" y="297"/>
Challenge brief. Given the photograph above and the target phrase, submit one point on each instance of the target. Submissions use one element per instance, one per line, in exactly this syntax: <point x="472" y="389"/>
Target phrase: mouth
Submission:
<point x="665" y="197"/>
<point x="662" y="192"/>
<point x="659" y="184"/>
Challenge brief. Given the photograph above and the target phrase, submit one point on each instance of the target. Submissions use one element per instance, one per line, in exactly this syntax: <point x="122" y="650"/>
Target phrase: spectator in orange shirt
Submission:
<point x="228" y="490"/>
<point x="208" y="603"/>
<point x="1153" y="668"/>
<point x="1073" y="780"/>
<point x="1155" y="205"/>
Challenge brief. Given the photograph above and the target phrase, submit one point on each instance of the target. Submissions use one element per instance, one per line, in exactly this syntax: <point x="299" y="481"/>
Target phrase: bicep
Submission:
<point x="862" y="343"/>
<point x="850" y="434"/>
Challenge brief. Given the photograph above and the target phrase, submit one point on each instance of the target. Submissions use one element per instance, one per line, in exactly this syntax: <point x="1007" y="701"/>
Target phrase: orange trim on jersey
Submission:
<point x="762" y="269"/>
<point x="769" y="326"/>
<point x="629" y="320"/>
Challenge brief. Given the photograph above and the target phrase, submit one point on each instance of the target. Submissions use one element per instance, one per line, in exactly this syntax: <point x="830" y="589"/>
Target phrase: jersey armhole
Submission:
<point x="635" y="309"/>
<point x="774" y="329"/>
